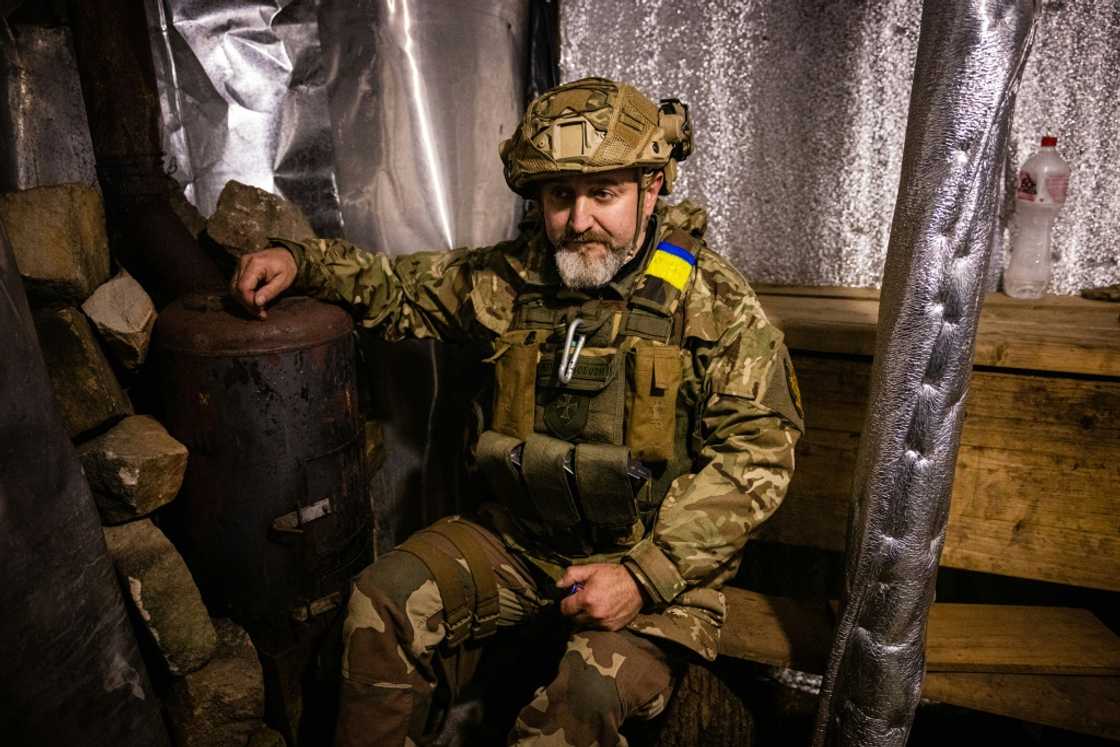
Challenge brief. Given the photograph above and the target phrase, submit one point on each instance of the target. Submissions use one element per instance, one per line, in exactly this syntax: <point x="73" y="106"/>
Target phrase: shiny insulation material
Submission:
<point x="800" y="115"/>
<point x="971" y="57"/>
<point x="275" y="515"/>
<point x="381" y="119"/>
<point x="356" y="111"/>
<point x="72" y="673"/>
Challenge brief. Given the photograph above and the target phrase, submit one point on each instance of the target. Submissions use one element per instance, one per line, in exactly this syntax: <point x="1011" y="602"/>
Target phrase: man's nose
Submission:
<point x="579" y="219"/>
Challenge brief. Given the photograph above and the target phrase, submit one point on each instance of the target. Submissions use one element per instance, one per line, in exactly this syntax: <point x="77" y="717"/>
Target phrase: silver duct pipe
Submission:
<point x="971" y="55"/>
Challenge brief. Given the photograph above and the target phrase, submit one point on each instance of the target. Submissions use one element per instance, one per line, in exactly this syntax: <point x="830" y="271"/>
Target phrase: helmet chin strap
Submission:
<point x="644" y="179"/>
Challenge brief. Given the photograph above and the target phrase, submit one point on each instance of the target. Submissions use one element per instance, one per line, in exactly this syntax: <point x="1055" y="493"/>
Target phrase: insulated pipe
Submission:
<point x="971" y="54"/>
<point x="72" y="670"/>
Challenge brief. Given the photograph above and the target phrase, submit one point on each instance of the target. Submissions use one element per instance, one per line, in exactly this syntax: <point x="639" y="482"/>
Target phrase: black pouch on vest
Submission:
<point x="546" y="465"/>
<point x="605" y="486"/>
<point x="495" y="455"/>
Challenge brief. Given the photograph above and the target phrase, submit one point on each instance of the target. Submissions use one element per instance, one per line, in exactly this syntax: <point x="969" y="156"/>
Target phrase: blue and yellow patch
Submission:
<point x="671" y="263"/>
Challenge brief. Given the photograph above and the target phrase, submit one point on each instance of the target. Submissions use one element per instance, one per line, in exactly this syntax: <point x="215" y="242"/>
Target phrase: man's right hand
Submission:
<point x="261" y="277"/>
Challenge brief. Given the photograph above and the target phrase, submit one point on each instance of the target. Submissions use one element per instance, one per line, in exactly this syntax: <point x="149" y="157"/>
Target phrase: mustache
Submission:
<point x="589" y="236"/>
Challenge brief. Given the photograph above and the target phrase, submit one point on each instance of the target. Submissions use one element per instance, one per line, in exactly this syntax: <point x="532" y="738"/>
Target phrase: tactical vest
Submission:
<point x="589" y="423"/>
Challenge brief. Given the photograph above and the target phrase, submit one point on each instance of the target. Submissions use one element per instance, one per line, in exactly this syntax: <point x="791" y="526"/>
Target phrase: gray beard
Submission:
<point x="580" y="273"/>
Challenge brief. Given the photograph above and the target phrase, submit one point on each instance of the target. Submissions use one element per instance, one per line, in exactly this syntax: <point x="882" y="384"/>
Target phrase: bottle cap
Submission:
<point x="1049" y="141"/>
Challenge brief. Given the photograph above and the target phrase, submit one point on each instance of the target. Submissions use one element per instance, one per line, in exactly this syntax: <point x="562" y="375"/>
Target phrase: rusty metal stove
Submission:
<point x="274" y="516"/>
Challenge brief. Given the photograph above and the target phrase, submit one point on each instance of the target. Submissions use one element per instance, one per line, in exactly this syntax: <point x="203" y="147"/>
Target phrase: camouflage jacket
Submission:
<point x="745" y="424"/>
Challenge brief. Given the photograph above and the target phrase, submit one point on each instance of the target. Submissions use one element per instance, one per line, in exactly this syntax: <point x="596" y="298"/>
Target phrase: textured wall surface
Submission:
<point x="800" y="111"/>
<point x="44" y="136"/>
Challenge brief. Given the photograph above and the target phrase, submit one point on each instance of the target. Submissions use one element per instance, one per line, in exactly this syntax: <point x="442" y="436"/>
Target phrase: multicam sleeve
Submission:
<point x="749" y="423"/>
<point x="410" y="296"/>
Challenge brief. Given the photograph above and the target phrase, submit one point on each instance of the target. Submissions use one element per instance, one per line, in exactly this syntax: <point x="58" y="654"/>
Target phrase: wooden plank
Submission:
<point x="797" y="634"/>
<point x="1061" y="334"/>
<point x="960" y="638"/>
<point x="1087" y="705"/>
<point x="1008" y="638"/>
<point x="778" y="631"/>
<point x="1037" y="486"/>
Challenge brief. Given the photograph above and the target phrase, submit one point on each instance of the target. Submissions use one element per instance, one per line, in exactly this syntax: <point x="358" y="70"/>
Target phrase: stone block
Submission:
<point x="58" y="236"/>
<point x="246" y="216"/>
<point x="124" y="316"/>
<point x="163" y="592"/>
<point x="133" y="469"/>
<point x="221" y="704"/>
<point x="85" y="388"/>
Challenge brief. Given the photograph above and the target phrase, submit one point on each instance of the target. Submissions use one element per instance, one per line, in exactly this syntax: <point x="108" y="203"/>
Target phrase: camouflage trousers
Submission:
<point x="395" y="657"/>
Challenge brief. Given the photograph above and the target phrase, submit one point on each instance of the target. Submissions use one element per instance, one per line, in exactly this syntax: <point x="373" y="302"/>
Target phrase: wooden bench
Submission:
<point x="1036" y="496"/>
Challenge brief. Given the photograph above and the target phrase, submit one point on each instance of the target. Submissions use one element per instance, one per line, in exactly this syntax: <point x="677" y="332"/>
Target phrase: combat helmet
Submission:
<point x="593" y="125"/>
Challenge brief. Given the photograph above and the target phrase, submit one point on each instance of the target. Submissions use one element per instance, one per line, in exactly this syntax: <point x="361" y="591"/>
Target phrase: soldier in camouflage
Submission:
<point x="644" y="422"/>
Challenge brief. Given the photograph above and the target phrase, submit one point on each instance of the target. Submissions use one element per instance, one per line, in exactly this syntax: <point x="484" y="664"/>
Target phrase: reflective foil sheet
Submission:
<point x="800" y="112"/>
<point x="243" y="94"/>
<point x="382" y="120"/>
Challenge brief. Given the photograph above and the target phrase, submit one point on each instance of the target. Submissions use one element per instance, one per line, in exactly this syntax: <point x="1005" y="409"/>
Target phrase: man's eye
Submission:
<point x="603" y="194"/>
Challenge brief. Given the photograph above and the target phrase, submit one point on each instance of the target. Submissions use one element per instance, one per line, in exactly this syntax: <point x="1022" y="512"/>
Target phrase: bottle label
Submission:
<point x="1028" y="189"/>
<point x="1056" y="187"/>
<point x="1049" y="190"/>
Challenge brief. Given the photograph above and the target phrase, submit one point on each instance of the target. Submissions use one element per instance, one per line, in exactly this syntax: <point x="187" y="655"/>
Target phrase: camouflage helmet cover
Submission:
<point x="594" y="125"/>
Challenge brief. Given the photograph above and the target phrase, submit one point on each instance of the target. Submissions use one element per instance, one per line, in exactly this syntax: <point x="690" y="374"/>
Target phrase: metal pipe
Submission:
<point x="72" y="671"/>
<point x="971" y="55"/>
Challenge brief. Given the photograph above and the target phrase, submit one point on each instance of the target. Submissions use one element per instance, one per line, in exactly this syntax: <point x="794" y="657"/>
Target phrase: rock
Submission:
<point x="58" y="235"/>
<point x="223" y="703"/>
<point x="124" y="316"/>
<point x="161" y="589"/>
<point x="246" y="216"/>
<point x="85" y="388"/>
<point x="133" y="469"/>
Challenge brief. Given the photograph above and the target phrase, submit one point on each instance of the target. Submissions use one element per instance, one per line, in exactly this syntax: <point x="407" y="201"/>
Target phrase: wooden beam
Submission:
<point x="960" y="638"/>
<point x="797" y="634"/>
<point x="1037" y="486"/>
<point x="1057" y="333"/>
<point x="1087" y="705"/>
<point x="1009" y="638"/>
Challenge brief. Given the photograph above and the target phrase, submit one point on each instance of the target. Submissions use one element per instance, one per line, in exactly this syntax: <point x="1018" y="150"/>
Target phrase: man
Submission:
<point x="644" y="420"/>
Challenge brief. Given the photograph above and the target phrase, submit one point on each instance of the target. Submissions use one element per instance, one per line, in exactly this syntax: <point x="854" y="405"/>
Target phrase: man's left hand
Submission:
<point x="609" y="597"/>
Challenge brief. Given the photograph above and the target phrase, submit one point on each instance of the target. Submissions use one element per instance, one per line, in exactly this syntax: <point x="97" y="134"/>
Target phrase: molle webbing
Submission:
<point x="654" y="324"/>
<point x="460" y="596"/>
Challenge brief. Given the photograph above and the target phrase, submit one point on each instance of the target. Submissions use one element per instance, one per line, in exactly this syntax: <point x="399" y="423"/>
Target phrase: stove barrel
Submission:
<point x="274" y="515"/>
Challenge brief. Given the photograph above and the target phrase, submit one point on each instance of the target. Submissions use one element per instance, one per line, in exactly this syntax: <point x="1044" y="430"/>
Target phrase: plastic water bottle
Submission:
<point x="1043" y="182"/>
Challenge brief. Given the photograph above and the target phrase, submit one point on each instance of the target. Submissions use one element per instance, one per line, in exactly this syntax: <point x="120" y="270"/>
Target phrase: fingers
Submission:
<point x="260" y="278"/>
<point x="271" y="289"/>
<point x="577" y="574"/>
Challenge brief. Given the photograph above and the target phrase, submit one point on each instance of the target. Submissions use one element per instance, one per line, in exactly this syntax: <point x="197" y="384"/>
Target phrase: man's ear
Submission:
<point x="652" y="190"/>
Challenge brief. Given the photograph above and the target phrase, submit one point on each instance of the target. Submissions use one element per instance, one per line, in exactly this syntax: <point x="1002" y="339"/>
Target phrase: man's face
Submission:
<point x="590" y="220"/>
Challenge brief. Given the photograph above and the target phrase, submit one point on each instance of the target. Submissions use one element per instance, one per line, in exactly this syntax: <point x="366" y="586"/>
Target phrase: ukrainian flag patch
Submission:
<point x="671" y="263"/>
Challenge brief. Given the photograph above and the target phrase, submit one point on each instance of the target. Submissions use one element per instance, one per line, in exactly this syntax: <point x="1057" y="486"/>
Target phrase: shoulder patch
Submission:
<point x="672" y="263"/>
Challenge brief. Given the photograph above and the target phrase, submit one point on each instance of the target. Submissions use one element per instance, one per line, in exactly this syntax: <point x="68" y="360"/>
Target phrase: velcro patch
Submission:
<point x="672" y="264"/>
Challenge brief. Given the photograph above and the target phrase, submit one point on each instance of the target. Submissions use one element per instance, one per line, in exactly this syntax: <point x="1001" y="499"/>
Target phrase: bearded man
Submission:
<point x="643" y="422"/>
